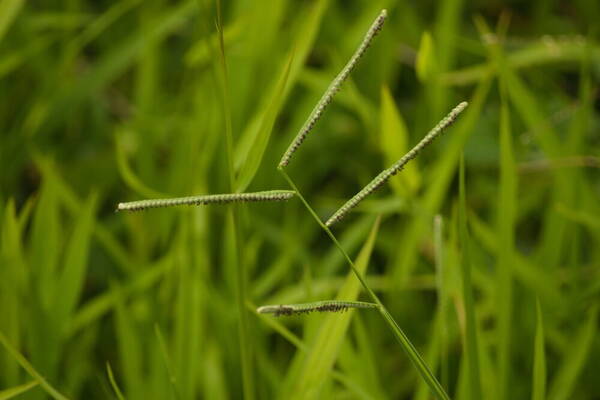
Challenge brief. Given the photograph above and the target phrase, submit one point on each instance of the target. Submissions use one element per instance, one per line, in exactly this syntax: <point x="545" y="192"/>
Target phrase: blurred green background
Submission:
<point x="109" y="101"/>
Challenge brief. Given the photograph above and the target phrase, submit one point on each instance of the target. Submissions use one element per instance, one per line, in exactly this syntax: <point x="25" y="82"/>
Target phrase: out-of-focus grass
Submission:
<point x="102" y="102"/>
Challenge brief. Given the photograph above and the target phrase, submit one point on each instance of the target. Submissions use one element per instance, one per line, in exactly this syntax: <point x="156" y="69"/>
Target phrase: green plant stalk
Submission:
<point x="48" y="388"/>
<point x="438" y="227"/>
<point x="407" y="346"/>
<point x="241" y="282"/>
<point x="471" y="342"/>
<point x="113" y="382"/>
<point x="538" y="391"/>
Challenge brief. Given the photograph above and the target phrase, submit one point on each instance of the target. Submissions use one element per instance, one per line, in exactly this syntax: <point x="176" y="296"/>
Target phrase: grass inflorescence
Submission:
<point x="386" y="174"/>
<point x="319" y="306"/>
<point x="333" y="88"/>
<point x="270" y="195"/>
<point x="153" y="100"/>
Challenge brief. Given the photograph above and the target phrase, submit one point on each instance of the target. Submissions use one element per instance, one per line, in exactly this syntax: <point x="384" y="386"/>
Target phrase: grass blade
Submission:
<point x="425" y="62"/>
<point x="303" y="42"/>
<point x="307" y="382"/>
<point x="539" y="357"/>
<point x="438" y="238"/>
<point x="241" y="275"/>
<point x="507" y="208"/>
<point x="17" y="390"/>
<point x="127" y="173"/>
<point x="165" y="356"/>
<point x="577" y="353"/>
<point x="471" y="346"/>
<point x="48" y="388"/>
<point x="403" y="340"/>
<point x="113" y="382"/>
<point x="72" y="277"/>
<point x="250" y="167"/>
<point x="394" y="143"/>
<point x="9" y="9"/>
<point x="12" y="277"/>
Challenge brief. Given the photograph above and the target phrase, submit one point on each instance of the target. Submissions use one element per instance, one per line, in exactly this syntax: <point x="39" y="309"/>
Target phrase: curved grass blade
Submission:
<point x="271" y="195"/>
<point x="127" y="173"/>
<point x="386" y="174"/>
<point x="113" y="382"/>
<point x="250" y="166"/>
<point x="333" y="88"/>
<point x="17" y="390"/>
<point x="30" y="370"/>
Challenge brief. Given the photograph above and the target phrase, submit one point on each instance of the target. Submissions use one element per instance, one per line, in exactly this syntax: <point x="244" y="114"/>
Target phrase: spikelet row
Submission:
<point x="271" y="195"/>
<point x="319" y="306"/>
<point x="333" y="88"/>
<point x="383" y="177"/>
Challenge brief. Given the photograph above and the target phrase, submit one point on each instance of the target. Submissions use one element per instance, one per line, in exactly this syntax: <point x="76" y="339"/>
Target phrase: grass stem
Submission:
<point x="407" y="346"/>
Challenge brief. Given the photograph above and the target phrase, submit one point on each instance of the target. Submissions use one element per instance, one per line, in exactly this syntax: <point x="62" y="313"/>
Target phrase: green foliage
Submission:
<point x="111" y="101"/>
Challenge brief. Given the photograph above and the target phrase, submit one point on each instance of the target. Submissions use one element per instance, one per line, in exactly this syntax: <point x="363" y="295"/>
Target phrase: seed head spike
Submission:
<point x="333" y="88"/>
<point x="383" y="176"/>
<point x="271" y="195"/>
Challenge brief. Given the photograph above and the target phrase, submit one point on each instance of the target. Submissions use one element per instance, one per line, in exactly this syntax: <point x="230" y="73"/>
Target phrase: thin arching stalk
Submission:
<point x="407" y="346"/>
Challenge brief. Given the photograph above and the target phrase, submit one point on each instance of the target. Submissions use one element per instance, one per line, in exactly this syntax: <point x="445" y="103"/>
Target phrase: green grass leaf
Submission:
<point x="45" y="246"/>
<point x="13" y="278"/>
<point x="128" y="175"/>
<point x="575" y="357"/>
<point x="71" y="278"/>
<point x="425" y="63"/>
<point x="9" y="10"/>
<point x="507" y="208"/>
<point x="130" y="351"/>
<point x="113" y="382"/>
<point x="303" y="43"/>
<point x="17" y="390"/>
<point x="470" y="341"/>
<point x="394" y="144"/>
<point x="539" y="357"/>
<point x="255" y="156"/>
<point x="26" y="365"/>
<point x="307" y="378"/>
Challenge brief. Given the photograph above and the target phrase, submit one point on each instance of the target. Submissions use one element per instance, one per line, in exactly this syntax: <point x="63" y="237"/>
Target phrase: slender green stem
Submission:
<point x="30" y="370"/>
<point x="241" y="276"/>
<point x="407" y="346"/>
